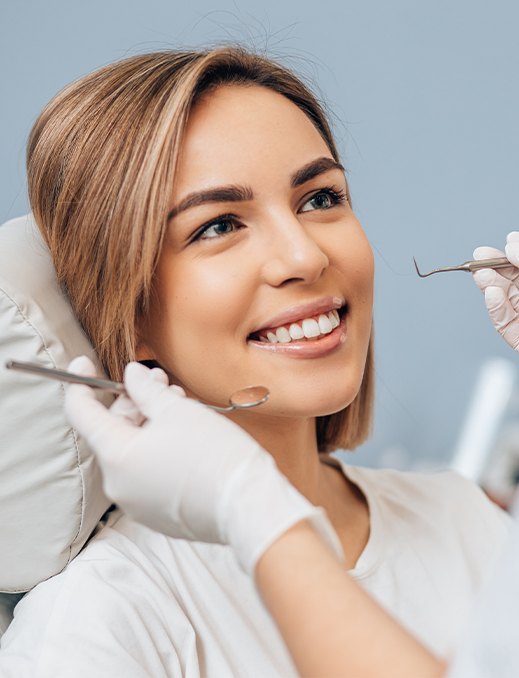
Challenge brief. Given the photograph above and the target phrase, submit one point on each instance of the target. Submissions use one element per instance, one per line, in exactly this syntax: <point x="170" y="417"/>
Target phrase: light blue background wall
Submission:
<point x="426" y="101"/>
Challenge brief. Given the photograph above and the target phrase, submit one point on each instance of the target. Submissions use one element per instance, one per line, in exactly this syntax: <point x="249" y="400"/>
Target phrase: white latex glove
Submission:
<point x="501" y="289"/>
<point x="185" y="470"/>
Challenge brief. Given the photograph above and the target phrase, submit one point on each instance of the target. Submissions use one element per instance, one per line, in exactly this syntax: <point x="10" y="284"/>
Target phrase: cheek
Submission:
<point x="362" y="292"/>
<point x="353" y="258"/>
<point x="201" y="308"/>
<point x="365" y="275"/>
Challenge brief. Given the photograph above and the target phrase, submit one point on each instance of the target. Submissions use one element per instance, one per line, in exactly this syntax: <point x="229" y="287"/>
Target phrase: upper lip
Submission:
<point x="307" y="310"/>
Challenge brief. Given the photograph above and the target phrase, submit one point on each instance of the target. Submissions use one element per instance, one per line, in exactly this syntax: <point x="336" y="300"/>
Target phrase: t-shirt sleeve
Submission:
<point x="98" y="619"/>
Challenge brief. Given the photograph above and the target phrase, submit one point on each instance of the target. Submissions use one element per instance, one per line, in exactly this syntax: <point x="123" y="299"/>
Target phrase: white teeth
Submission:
<point x="311" y="328"/>
<point x="334" y="319"/>
<point x="282" y="335"/>
<point x="324" y="324"/>
<point x="295" y="331"/>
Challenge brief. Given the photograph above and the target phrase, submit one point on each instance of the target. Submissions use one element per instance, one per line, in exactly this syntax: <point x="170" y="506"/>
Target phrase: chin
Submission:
<point x="318" y="405"/>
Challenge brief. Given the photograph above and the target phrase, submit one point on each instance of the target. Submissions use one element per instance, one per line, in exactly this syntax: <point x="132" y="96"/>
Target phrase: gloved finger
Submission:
<point x="511" y="273"/>
<point x="82" y="365"/>
<point x="91" y="418"/>
<point x="512" y="238"/>
<point x="178" y="390"/>
<point x="161" y="376"/>
<point x="512" y="253"/>
<point x="503" y="315"/>
<point x="124" y="406"/>
<point x="504" y="278"/>
<point x="486" y="252"/>
<point x="79" y="396"/>
<point x="105" y="433"/>
<point x="152" y="398"/>
<point x="489" y="277"/>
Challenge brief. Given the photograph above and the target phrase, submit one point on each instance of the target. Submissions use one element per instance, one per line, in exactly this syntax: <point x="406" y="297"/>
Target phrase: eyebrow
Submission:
<point x="234" y="193"/>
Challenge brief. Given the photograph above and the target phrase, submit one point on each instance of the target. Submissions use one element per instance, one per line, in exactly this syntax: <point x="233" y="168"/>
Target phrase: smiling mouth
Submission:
<point x="311" y="329"/>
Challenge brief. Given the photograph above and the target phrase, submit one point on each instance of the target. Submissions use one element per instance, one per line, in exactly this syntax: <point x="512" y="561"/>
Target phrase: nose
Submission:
<point x="291" y="253"/>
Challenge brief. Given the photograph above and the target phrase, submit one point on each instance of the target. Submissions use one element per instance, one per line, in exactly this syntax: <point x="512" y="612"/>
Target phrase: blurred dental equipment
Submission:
<point x="492" y="394"/>
<point x="470" y="266"/>
<point x="252" y="396"/>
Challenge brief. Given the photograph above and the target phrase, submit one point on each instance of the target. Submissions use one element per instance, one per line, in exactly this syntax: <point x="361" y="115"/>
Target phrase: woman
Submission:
<point x="198" y="216"/>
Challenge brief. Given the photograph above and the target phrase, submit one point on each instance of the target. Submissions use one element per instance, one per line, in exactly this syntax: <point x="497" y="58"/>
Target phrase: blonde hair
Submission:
<point x="101" y="161"/>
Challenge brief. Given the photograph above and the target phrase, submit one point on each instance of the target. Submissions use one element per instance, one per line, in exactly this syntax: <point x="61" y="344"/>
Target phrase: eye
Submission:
<point x="217" y="228"/>
<point x="324" y="199"/>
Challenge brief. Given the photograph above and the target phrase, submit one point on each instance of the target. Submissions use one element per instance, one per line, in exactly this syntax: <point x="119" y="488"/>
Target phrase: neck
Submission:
<point x="293" y="444"/>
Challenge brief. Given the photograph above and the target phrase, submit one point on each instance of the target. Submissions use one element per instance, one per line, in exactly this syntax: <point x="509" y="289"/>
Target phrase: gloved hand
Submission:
<point x="182" y="469"/>
<point x="501" y="289"/>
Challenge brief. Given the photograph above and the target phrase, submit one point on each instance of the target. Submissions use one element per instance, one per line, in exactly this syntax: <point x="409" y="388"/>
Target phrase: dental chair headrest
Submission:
<point x="50" y="487"/>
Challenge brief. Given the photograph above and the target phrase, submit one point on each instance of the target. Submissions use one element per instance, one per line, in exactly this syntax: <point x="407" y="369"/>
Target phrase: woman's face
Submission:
<point x="261" y="238"/>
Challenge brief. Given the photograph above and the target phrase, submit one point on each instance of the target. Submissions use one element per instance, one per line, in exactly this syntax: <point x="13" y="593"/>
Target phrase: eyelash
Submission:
<point x="338" y="197"/>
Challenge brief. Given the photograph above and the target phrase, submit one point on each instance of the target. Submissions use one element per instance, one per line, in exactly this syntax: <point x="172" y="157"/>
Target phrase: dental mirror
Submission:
<point x="245" y="398"/>
<point x="252" y="396"/>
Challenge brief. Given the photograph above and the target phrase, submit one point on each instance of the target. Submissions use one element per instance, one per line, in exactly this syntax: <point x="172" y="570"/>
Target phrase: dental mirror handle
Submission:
<point x="243" y="399"/>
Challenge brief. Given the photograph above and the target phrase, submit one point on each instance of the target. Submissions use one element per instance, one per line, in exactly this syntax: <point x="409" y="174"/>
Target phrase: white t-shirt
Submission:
<point x="135" y="603"/>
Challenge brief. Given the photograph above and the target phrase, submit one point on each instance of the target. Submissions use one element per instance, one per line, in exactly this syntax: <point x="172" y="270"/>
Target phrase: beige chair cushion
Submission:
<point x="50" y="488"/>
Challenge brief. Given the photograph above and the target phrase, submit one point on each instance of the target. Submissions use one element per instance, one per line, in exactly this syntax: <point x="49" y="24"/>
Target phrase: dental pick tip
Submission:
<point x="422" y="275"/>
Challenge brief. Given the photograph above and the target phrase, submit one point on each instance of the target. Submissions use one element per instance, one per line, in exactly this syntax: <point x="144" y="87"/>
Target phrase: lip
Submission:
<point x="307" y="349"/>
<point x="300" y="312"/>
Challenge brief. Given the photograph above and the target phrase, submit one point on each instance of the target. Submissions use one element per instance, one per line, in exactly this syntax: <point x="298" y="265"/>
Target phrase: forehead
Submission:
<point x="238" y="133"/>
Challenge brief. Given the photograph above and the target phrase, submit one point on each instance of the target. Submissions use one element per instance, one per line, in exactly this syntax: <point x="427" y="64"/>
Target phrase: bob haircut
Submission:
<point x="101" y="161"/>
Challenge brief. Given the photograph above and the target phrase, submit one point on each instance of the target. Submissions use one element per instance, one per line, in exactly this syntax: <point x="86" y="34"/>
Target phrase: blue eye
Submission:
<point x="216" y="229"/>
<point x="324" y="199"/>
